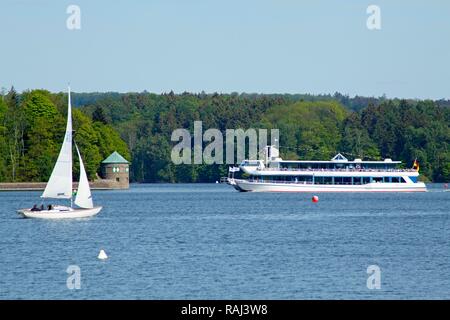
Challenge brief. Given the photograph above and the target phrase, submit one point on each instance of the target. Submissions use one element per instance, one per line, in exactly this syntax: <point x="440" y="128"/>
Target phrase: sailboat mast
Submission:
<point x="69" y="117"/>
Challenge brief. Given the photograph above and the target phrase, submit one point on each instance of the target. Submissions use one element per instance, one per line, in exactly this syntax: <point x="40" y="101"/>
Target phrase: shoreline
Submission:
<point x="38" y="186"/>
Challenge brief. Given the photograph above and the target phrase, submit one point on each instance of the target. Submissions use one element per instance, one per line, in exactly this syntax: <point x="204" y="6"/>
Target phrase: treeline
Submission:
<point x="32" y="127"/>
<point x="355" y="103"/>
<point x="311" y="127"/>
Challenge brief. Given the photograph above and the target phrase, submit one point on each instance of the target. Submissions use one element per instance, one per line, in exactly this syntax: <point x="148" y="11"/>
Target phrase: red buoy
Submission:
<point x="315" y="199"/>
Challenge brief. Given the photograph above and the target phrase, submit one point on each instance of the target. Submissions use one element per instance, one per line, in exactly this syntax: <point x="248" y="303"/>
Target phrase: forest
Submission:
<point x="32" y="126"/>
<point x="139" y="126"/>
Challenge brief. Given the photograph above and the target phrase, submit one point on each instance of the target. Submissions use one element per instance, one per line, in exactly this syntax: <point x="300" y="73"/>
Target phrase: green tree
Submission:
<point x="311" y="129"/>
<point x="42" y="151"/>
<point x="87" y="139"/>
<point x="15" y="124"/>
<point x="99" y="115"/>
<point x="356" y="141"/>
<point x="3" y="142"/>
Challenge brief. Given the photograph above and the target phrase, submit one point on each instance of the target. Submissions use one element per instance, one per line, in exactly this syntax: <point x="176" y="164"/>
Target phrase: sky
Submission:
<point x="258" y="46"/>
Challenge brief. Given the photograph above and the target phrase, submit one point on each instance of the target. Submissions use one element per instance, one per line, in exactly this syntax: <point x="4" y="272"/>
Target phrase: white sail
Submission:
<point x="83" y="198"/>
<point x="60" y="183"/>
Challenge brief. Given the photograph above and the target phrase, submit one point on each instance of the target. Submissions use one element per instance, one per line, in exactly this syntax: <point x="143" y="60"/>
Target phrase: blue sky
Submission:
<point x="266" y="46"/>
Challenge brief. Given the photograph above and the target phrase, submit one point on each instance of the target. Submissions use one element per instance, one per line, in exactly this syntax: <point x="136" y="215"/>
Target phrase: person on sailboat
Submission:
<point x="35" y="208"/>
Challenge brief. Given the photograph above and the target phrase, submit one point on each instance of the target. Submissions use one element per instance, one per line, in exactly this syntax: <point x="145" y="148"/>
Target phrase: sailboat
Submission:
<point x="59" y="186"/>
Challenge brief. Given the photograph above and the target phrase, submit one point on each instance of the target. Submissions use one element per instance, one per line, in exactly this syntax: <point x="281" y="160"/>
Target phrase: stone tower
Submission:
<point x="116" y="168"/>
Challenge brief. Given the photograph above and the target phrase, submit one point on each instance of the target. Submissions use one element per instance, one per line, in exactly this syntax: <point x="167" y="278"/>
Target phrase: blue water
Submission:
<point x="207" y="241"/>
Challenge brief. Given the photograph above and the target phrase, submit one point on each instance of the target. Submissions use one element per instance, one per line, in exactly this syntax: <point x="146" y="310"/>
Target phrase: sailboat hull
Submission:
<point x="60" y="213"/>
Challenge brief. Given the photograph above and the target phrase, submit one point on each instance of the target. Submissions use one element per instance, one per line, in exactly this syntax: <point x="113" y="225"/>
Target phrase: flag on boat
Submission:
<point x="416" y="165"/>
<point x="233" y="169"/>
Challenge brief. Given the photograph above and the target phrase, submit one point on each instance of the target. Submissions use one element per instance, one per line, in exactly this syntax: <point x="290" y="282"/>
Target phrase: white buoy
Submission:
<point x="102" y="255"/>
<point x="217" y="181"/>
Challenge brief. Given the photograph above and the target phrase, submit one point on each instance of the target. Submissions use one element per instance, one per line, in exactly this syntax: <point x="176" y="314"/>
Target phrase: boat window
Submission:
<point x="347" y="180"/>
<point x="250" y="163"/>
<point x="366" y="180"/>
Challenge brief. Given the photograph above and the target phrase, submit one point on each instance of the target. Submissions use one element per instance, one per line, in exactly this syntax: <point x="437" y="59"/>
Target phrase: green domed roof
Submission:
<point x="115" y="157"/>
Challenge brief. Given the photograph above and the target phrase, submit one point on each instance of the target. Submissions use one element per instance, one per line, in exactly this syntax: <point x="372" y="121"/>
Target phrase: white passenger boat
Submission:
<point x="59" y="185"/>
<point x="337" y="175"/>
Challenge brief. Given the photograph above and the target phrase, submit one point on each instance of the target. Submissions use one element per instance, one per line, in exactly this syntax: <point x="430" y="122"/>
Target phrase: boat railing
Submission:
<point x="279" y="181"/>
<point x="302" y="182"/>
<point x="336" y="170"/>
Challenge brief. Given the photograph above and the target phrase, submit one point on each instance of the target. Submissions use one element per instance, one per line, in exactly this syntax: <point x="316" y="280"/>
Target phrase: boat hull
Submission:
<point x="59" y="214"/>
<point x="246" y="186"/>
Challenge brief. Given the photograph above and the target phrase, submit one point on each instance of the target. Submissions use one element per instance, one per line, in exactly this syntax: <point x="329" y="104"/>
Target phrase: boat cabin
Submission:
<point x="338" y="162"/>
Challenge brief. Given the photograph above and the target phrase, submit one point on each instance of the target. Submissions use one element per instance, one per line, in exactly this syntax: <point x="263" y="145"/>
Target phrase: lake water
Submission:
<point x="207" y="241"/>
